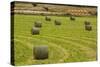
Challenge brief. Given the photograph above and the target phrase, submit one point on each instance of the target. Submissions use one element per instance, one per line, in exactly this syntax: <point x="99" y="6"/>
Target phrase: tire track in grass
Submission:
<point x="76" y="48"/>
<point x="53" y="45"/>
<point x="84" y="38"/>
<point x="85" y="42"/>
<point x="85" y="50"/>
<point x="88" y="51"/>
<point x="19" y="53"/>
<point x="90" y="39"/>
<point x="29" y="44"/>
<point x="36" y="60"/>
<point x="72" y="48"/>
<point x="71" y="38"/>
<point x="90" y="44"/>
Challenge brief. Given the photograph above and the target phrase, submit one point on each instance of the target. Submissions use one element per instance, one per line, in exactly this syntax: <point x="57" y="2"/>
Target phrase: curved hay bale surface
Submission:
<point x="41" y="52"/>
<point x="38" y="24"/>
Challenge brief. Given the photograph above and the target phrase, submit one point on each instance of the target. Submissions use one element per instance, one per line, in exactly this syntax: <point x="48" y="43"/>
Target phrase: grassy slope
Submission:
<point x="67" y="43"/>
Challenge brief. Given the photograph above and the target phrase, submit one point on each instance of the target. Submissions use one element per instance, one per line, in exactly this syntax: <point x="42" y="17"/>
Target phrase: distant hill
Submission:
<point x="52" y="9"/>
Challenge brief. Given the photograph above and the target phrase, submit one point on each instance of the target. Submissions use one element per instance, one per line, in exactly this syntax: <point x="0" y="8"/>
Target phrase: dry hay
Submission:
<point x="35" y="31"/>
<point x="41" y="52"/>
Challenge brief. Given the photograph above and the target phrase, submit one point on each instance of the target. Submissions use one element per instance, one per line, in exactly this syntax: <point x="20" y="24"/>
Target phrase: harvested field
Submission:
<point x="69" y="42"/>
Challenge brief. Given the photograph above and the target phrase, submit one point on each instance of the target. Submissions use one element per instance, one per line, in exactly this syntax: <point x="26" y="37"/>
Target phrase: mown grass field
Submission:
<point x="69" y="42"/>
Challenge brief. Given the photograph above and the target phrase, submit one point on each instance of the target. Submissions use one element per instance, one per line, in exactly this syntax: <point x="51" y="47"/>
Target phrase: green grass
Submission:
<point x="68" y="42"/>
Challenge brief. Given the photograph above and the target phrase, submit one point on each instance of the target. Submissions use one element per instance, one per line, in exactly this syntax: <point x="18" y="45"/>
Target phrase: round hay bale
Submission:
<point x="46" y="8"/>
<point x="47" y="18"/>
<point x="87" y="23"/>
<point x="88" y="27"/>
<point x="35" y="31"/>
<point x="34" y="4"/>
<point x="41" y="52"/>
<point x="37" y="24"/>
<point x="57" y="22"/>
<point x="72" y="18"/>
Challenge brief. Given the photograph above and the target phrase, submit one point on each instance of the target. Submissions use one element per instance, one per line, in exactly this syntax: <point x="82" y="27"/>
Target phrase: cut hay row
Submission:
<point x="76" y="11"/>
<point x="81" y="47"/>
<point x="57" y="48"/>
<point x="80" y="39"/>
<point x="88" y="43"/>
<point x="32" y="11"/>
<point x="80" y="14"/>
<point x="64" y="41"/>
<point x="65" y="45"/>
<point x="26" y="38"/>
<point x="83" y="40"/>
